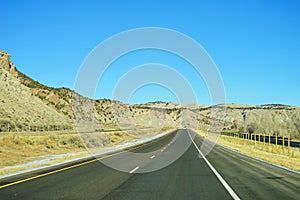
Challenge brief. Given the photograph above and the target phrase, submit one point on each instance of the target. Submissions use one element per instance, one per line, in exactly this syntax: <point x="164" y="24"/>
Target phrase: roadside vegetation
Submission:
<point x="285" y="156"/>
<point x="17" y="149"/>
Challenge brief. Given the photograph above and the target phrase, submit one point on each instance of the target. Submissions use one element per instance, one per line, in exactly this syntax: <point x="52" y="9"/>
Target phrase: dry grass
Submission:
<point x="283" y="156"/>
<point x="17" y="149"/>
<point x="15" y="168"/>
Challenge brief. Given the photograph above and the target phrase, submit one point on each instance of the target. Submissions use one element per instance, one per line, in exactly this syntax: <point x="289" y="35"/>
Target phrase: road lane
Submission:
<point x="92" y="181"/>
<point x="189" y="177"/>
<point x="252" y="179"/>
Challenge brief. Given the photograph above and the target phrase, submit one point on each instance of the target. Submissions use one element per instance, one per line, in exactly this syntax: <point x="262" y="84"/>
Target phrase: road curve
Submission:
<point x="189" y="177"/>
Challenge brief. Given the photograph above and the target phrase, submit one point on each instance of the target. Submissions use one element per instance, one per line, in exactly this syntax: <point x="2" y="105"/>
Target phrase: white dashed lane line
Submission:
<point x="137" y="167"/>
<point x="152" y="157"/>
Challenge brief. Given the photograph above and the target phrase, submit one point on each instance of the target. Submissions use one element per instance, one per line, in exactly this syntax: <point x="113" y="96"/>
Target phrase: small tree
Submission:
<point x="251" y="128"/>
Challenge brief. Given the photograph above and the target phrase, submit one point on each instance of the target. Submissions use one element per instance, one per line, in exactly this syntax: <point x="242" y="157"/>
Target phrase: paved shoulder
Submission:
<point x="252" y="179"/>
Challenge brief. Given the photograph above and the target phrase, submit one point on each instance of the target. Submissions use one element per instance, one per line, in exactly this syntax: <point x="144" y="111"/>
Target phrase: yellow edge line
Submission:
<point x="78" y="165"/>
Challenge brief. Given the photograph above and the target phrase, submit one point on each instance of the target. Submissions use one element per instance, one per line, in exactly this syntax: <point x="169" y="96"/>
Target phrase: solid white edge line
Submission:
<point x="224" y="183"/>
<point x="260" y="160"/>
<point x="137" y="167"/>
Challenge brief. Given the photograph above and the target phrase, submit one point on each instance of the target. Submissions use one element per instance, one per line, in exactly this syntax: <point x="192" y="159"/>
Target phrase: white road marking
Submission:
<point x="162" y="150"/>
<point x="224" y="183"/>
<point x="137" y="167"/>
<point x="152" y="157"/>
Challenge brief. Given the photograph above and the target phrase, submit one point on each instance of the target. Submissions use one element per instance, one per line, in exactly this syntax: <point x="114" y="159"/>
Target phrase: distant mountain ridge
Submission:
<point x="29" y="105"/>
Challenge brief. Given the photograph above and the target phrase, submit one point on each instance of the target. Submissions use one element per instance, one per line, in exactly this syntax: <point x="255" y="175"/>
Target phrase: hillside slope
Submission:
<point x="19" y="108"/>
<point x="28" y="105"/>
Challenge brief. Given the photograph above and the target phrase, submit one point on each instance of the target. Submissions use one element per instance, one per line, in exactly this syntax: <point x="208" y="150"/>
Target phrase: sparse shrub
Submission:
<point x="118" y="134"/>
<point x="64" y="142"/>
<point x="75" y="141"/>
<point x="251" y="128"/>
<point x="59" y="106"/>
<point x="29" y="141"/>
<point x="16" y="140"/>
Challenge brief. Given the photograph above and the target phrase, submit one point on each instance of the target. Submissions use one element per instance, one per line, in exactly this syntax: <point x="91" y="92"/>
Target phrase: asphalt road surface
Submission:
<point x="222" y="175"/>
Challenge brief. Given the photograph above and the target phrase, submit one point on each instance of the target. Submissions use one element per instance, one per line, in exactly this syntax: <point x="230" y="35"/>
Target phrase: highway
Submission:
<point x="224" y="174"/>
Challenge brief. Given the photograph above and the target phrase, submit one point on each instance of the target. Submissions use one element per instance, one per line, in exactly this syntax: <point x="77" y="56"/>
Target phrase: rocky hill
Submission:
<point x="20" y="108"/>
<point x="28" y="105"/>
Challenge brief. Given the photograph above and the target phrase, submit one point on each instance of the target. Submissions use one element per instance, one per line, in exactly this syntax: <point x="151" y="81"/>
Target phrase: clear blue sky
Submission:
<point x="255" y="44"/>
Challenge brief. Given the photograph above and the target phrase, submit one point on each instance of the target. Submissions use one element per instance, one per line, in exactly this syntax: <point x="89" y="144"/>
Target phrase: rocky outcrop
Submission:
<point x="5" y="63"/>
